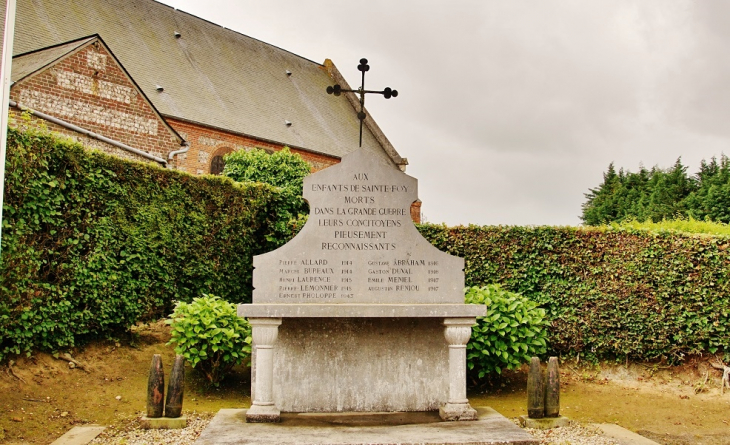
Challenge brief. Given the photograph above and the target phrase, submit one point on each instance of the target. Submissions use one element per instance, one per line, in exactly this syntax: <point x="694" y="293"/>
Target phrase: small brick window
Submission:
<point x="217" y="163"/>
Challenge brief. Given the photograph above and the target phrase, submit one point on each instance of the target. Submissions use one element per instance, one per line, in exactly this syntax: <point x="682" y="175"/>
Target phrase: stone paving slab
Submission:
<point x="79" y="435"/>
<point x="622" y="435"/>
<point x="229" y="427"/>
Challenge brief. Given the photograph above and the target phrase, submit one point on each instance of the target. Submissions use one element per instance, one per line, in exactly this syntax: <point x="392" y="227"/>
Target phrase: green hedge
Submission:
<point x="92" y="244"/>
<point x="608" y="293"/>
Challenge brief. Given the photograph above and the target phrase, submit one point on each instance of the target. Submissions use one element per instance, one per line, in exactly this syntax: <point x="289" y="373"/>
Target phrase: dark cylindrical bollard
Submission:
<point x="155" y="388"/>
<point x="535" y="391"/>
<point x="174" y="401"/>
<point x="552" y="389"/>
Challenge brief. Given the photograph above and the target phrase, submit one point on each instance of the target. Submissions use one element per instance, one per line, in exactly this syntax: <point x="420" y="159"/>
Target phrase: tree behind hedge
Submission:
<point x="661" y="194"/>
<point x="282" y="169"/>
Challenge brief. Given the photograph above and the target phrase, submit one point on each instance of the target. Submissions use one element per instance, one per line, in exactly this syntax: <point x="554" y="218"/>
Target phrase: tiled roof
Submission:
<point x="29" y="63"/>
<point x="211" y="75"/>
<point x="25" y="65"/>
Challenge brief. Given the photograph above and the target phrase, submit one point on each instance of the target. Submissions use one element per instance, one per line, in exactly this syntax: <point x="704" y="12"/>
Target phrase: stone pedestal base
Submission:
<point x="163" y="423"/>
<point x="263" y="414"/>
<point x="457" y="412"/>
<point x="545" y="423"/>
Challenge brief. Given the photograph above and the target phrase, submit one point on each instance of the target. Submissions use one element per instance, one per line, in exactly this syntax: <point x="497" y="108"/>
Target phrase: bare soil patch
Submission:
<point x="670" y="405"/>
<point x="658" y="402"/>
<point x="47" y="397"/>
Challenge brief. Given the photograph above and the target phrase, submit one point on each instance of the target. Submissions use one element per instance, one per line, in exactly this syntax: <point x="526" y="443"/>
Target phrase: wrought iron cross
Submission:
<point x="363" y="68"/>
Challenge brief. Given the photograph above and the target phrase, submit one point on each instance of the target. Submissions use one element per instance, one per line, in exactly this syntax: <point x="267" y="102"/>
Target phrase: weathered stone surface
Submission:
<point x="155" y="388"/>
<point x="552" y="389"/>
<point x="457" y="412"/>
<point x="263" y="414"/>
<point x="163" y="423"/>
<point x="79" y="435"/>
<point x="228" y="427"/>
<point x="622" y="435"/>
<point x="545" y="423"/>
<point x="174" y="400"/>
<point x="360" y="364"/>
<point x="362" y="299"/>
<point x="359" y="244"/>
<point x="535" y="390"/>
<point x="361" y="310"/>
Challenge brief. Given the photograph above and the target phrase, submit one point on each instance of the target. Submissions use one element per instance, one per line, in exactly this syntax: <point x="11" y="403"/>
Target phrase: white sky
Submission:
<point x="509" y="111"/>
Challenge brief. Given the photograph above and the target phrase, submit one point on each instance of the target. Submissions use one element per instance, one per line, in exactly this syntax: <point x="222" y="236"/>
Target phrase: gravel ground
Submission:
<point x="129" y="433"/>
<point x="574" y="434"/>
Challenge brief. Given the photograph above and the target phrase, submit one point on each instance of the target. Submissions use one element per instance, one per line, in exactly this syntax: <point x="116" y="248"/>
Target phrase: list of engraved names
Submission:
<point x="361" y="245"/>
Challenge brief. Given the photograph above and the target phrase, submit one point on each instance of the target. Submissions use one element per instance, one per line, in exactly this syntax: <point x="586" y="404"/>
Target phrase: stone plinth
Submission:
<point x="229" y="428"/>
<point x="359" y="312"/>
<point x="362" y="358"/>
<point x="544" y="423"/>
<point x="163" y="423"/>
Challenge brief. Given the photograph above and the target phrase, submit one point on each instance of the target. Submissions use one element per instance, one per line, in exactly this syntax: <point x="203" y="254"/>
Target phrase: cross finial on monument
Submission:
<point x="363" y="68"/>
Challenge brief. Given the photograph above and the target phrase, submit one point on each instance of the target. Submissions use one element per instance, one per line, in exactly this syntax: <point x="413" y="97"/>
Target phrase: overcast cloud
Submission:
<point x="509" y="111"/>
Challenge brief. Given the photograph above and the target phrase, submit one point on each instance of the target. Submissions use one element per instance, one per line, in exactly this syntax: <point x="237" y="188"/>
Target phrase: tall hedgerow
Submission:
<point x="622" y="293"/>
<point x="93" y="244"/>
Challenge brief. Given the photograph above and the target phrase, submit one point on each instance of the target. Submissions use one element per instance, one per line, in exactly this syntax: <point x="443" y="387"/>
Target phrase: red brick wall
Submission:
<point x="90" y="90"/>
<point x="206" y="142"/>
<point x="19" y="122"/>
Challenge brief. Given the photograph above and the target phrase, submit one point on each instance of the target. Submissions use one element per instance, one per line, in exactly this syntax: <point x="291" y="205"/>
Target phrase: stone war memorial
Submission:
<point x="359" y="313"/>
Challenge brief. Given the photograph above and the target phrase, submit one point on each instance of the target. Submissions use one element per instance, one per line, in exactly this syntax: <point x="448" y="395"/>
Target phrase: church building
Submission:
<point x="142" y="80"/>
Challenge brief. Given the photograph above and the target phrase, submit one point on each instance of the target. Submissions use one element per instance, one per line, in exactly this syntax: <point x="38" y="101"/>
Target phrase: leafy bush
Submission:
<point x="93" y="244"/>
<point x="609" y="293"/>
<point x="284" y="170"/>
<point x="281" y="168"/>
<point x="210" y="335"/>
<point x="512" y="331"/>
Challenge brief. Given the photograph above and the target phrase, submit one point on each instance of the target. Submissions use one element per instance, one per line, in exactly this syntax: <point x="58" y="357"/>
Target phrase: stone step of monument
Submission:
<point x="229" y="427"/>
<point x="622" y="435"/>
<point x="79" y="435"/>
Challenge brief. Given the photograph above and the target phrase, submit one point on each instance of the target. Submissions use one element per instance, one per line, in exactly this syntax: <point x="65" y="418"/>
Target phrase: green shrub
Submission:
<point x="93" y="244"/>
<point x="512" y="331"/>
<point x="285" y="171"/>
<point x="609" y="293"/>
<point x="210" y="335"/>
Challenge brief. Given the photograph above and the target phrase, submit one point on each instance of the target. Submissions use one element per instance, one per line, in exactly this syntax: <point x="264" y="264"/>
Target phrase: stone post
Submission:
<point x="552" y="389"/>
<point x="457" y="333"/>
<point x="155" y="388"/>
<point x="535" y="390"/>
<point x="175" y="388"/>
<point x="264" y="332"/>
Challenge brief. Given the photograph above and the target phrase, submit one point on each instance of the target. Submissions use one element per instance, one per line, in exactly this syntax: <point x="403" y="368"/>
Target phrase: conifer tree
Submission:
<point x="659" y="194"/>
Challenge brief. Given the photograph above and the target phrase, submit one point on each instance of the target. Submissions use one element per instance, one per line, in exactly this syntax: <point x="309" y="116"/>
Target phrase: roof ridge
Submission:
<point x="46" y="48"/>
